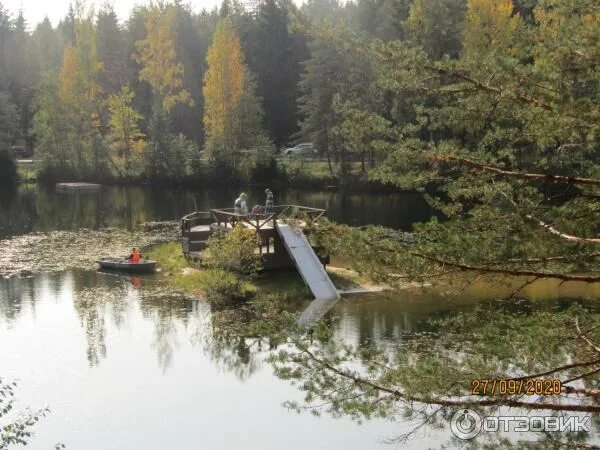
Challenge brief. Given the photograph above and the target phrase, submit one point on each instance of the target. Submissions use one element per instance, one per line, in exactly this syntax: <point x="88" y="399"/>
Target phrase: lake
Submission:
<point x="125" y="363"/>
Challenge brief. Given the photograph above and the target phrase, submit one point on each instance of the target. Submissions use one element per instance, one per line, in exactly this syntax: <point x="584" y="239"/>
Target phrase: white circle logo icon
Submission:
<point x="465" y="424"/>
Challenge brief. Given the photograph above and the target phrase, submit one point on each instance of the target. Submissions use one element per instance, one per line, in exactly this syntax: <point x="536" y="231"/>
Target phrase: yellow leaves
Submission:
<point x="554" y="19"/>
<point x="490" y="26"/>
<point x="77" y="87"/>
<point x="123" y="118"/>
<point x="416" y="13"/>
<point x="158" y="58"/>
<point x="224" y="80"/>
<point x="127" y="139"/>
<point x="68" y="77"/>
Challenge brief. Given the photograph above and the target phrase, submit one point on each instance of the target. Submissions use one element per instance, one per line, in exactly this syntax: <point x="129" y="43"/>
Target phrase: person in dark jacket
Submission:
<point x="269" y="201"/>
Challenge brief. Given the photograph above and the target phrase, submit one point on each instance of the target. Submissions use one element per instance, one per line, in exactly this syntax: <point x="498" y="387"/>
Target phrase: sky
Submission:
<point x="35" y="10"/>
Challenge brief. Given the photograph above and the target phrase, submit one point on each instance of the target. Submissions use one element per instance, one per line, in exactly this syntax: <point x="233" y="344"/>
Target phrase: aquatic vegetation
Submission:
<point x="60" y="250"/>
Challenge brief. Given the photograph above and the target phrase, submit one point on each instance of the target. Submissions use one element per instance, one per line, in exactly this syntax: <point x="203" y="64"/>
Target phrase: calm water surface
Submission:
<point x="125" y="364"/>
<point x="32" y="209"/>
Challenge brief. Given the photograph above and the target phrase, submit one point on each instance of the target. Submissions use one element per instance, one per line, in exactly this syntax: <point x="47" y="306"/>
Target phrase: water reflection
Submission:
<point x="79" y="328"/>
<point x="102" y="301"/>
<point x="15" y="292"/>
<point x="30" y="209"/>
<point x="95" y="301"/>
<point x="166" y="313"/>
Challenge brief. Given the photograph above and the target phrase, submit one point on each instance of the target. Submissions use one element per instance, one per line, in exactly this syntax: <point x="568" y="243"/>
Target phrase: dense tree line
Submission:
<point x="96" y="96"/>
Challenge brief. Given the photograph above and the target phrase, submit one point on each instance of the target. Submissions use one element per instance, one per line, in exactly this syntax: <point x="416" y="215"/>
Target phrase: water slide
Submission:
<point x="307" y="263"/>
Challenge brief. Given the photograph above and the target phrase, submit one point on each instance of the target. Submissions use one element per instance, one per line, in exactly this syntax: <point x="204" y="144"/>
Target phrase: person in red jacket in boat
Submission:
<point x="135" y="256"/>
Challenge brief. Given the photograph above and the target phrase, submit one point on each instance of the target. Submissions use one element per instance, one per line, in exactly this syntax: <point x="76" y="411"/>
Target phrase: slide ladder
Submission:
<point x="307" y="262"/>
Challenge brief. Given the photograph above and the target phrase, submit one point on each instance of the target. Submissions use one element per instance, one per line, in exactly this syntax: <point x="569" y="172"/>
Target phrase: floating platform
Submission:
<point x="77" y="187"/>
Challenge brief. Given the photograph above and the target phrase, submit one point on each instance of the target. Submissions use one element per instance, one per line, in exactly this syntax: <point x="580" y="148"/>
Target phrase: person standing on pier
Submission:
<point x="240" y="206"/>
<point x="269" y="201"/>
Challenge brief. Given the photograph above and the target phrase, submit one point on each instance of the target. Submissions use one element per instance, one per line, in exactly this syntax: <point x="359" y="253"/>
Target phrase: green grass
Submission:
<point x="193" y="282"/>
<point x="297" y="170"/>
<point x="282" y="285"/>
<point x="28" y="172"/>
<point x="170" y="257"/>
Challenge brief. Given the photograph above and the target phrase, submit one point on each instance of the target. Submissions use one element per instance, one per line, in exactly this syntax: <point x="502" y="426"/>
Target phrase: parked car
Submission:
<point x="301" y="149"/>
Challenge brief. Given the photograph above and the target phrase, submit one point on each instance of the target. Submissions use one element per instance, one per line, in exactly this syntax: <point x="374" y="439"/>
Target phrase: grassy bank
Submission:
<point x="27" y="172"/>
<point x="285" y="171"/>
<point x="286" y="284"/>
<point x="180" y="274"/>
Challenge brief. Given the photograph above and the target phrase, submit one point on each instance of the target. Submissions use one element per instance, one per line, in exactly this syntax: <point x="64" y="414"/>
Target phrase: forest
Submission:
<point x="178" y="95"/>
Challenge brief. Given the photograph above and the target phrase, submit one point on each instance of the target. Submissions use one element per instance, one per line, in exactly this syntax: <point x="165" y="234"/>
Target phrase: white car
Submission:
<point x="300" y="149"/>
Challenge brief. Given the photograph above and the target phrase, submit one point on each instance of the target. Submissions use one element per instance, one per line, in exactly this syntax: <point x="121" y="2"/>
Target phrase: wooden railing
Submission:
<point x="299" y="212"/>
<point x="228" y="217"/>
<point x="195" y="218"/>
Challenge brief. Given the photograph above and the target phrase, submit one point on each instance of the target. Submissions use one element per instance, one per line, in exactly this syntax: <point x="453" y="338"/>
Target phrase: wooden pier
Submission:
<point x="283" y="244"/>
<point x="197" y="227"/>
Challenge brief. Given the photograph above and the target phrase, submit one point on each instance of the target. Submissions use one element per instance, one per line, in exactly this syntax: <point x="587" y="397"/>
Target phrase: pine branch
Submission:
<point x="570" y="258"/>
<point x="486" y="87"/>
<point x="557" y="369"/>
<point x="514" y="272"/>
<point x="568" y="237"/>
<point x="500" y="401"/>
<point x="558" y="179"/>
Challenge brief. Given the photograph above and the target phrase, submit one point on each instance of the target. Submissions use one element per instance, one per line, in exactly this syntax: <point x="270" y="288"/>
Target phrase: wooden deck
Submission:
<point x="197" y="227"/>
<point x="200" y="229"/>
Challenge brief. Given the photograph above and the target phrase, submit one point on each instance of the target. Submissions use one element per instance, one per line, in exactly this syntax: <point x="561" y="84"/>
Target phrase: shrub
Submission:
<point x="169" y="256"/>
<point x="231" y="260"/>
<point x="234" y="251"/>
<point x="222" y="286"/>
<point x="260" y="166"/>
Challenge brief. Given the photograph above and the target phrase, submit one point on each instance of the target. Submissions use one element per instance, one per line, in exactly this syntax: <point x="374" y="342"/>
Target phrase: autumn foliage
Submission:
<point x="157" y="56"/>
<point x="223" y="82"/>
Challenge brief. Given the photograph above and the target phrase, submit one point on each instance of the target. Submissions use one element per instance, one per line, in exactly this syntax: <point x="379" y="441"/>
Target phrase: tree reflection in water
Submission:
<point x="101" y="299"/>
<point x="15" y="292"/>
<point x="390" y="340"/>
<point x="214" y="331"/>
<point x="167" y="311"/>
<point x="104" y="297"/>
